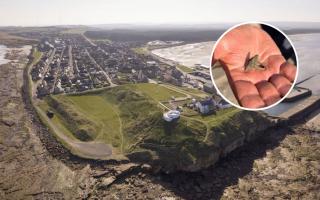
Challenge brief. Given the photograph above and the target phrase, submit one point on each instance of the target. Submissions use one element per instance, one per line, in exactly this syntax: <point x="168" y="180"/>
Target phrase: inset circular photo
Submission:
<point x="254" y="66"/>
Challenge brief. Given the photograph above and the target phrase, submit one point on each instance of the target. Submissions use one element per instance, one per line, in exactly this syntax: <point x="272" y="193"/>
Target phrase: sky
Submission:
<point x="92" y="12"/>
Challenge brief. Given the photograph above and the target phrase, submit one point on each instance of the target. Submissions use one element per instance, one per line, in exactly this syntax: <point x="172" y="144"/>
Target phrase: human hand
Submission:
<point x="257" y="72"/>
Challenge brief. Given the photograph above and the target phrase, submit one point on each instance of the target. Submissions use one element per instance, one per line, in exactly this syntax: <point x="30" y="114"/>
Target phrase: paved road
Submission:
<point x="86" y="38"/>
<point x="58" y="71"/>
<point x="46" y="68"/>
<point x="104" y="72"/>
<point x="70" y="61"/>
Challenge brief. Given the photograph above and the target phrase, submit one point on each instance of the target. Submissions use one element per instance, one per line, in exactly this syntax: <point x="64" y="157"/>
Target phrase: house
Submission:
<point x="152" y="63"/>
<point x="206" y="106"/>
<point x="209" y="88"/>
<point x="223" y="104"/>
<point x="141" y="77"/>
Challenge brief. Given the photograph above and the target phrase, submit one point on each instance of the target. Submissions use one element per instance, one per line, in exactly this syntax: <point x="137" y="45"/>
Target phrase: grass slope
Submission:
<point x="185" y="68"/>
<point x="154" y="91"/>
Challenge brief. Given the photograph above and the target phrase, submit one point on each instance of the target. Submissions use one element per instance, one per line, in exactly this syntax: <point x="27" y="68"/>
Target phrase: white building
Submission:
<point x="171" y="115"/>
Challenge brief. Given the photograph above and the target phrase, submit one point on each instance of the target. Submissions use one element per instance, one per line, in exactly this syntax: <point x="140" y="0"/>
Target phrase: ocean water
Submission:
<point x="188" y="54"/>
<point x="3" y="51"/>
<point x="308" y="52"/>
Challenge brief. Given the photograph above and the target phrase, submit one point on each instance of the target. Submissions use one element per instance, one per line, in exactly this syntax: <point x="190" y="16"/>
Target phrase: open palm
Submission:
<point x="254" y="87"/>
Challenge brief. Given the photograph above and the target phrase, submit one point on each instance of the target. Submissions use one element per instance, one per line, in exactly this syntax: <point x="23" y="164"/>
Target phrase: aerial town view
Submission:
<point x="128" y="110"/>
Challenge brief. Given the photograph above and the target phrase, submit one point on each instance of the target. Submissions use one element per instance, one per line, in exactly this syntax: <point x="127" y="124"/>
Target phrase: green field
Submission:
<point x="104" y="115"/>
<point x="185" y="68"/>
<point x="75" y="30"/>
<point x="36" y="56"/>
<point x="156" y="92"/>
<point x="141" y="50"/>
<point x="196" y="93"/>
<point x="102" y="112"/>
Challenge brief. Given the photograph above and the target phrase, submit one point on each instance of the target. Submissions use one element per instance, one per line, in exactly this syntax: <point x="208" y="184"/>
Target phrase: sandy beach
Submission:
<point x="188" y="54"/>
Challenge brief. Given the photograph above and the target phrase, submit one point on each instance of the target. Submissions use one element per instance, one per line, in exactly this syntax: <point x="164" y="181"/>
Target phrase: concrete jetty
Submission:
<point x="302" y="109"/>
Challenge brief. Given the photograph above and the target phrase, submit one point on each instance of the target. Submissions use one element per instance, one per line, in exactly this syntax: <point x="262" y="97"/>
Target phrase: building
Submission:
<point x="141" y="77"/>
<point x="209" y="88"/>
<point x="206" y="106"/>
<point x="152" y="63"/>
<point x="223" y="104"/>
<point x="171" y="115"/>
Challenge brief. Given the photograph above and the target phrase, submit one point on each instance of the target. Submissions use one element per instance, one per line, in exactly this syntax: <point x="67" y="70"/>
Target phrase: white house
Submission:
<point x="206" y="106"/>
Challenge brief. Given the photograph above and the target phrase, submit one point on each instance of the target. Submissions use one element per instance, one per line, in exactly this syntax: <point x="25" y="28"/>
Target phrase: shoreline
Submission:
<point x="3" y="54"/>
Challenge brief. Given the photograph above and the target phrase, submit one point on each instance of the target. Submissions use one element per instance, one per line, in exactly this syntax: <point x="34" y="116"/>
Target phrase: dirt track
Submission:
<point x="85" y="149"/>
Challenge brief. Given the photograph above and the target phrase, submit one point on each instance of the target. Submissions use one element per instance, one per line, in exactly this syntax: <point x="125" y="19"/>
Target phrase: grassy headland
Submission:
<point x="130" y="119"/>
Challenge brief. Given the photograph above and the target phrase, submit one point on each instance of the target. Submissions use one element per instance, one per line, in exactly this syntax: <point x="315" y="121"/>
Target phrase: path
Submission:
<point x="188" y="94"/>
<point x="96" y="150"/>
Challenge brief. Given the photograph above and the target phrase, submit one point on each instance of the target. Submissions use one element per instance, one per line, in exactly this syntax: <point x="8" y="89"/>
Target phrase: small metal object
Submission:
<point x="254" y="64"/>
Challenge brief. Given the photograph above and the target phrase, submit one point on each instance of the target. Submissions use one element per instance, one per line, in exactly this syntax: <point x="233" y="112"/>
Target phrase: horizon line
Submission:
<point x="152" y="23"/>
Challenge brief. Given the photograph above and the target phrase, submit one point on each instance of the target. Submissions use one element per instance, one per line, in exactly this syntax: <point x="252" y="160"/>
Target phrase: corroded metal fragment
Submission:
<point x="254" y="64"/>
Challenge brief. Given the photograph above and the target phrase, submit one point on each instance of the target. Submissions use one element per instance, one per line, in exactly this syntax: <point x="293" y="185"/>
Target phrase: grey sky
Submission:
<point x="60" y="12"/>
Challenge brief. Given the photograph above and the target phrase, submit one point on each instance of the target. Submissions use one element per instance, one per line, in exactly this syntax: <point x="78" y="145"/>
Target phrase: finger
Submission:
<point x="268" y="92"/>
<point x="273" y="64"/>
<point x="257" y="76"/>
<point x="252" y="101"/>
<point x="245" y="88"/>
<point x="281" y="83"/>
<point x="289" y="71"/>
<point x="247" y="94"/>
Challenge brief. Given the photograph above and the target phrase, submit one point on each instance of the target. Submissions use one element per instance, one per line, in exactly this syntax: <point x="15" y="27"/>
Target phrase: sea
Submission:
<point x="3" y="51"/>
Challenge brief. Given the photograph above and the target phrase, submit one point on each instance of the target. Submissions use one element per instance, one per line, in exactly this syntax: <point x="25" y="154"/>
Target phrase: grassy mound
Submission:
<point x="77" y="122"/>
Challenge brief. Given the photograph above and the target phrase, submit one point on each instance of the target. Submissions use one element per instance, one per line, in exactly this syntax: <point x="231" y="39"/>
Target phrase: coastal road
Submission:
<point x="46" y="69"/>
